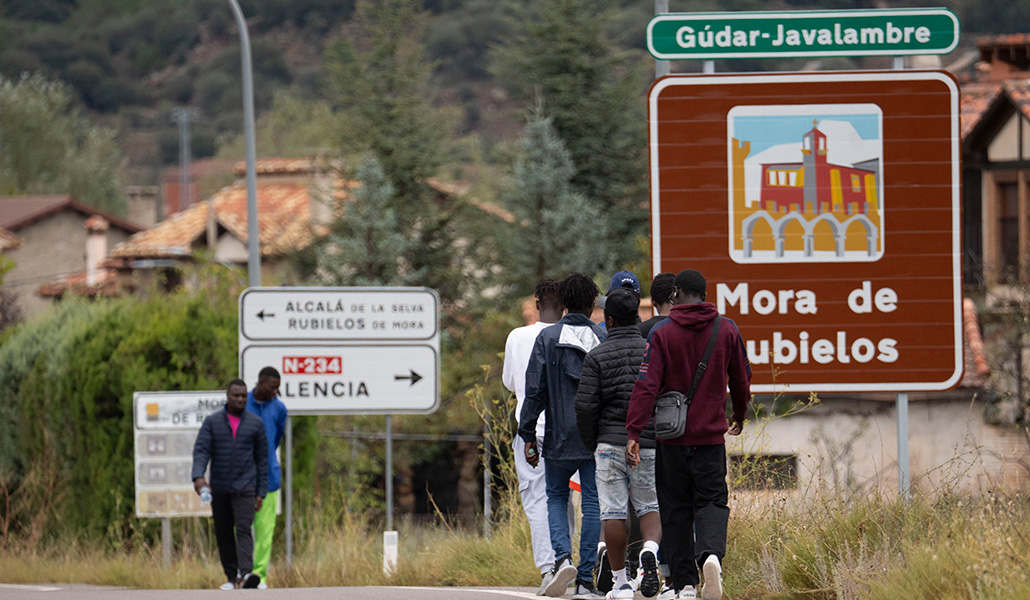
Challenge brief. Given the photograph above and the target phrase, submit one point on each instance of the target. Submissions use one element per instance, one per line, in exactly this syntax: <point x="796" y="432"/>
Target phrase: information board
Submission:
<point x="823" y="209"/>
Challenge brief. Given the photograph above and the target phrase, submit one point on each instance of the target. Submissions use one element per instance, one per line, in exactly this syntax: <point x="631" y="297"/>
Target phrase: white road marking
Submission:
<point x="511" y="593"/>
<point x="31" y="588"/>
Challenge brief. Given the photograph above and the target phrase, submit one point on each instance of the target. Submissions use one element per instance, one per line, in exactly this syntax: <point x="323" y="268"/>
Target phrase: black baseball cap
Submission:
<point x="622" y="305"/>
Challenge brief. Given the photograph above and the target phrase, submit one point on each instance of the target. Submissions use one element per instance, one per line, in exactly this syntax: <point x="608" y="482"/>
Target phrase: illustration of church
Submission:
<point x="807" y="210"/>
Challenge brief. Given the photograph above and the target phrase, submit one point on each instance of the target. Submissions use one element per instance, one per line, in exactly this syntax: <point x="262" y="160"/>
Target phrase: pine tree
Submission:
<point x="557" y="230"/>
<point x="366" y="245"/>
<point x="562" y="53"/>
<point x="381" y="83"/>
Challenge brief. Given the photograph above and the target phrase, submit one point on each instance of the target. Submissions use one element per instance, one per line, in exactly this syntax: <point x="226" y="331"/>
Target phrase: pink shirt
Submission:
<point x="234" y="422"/>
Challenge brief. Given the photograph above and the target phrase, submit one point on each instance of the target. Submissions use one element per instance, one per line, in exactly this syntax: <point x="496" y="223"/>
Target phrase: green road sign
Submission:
<point x="706" y="36"/>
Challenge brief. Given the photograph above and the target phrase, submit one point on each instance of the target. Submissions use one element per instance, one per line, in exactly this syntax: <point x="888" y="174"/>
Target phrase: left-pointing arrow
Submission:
<point x="414" y="377"/>
<point x="261" y="315"/>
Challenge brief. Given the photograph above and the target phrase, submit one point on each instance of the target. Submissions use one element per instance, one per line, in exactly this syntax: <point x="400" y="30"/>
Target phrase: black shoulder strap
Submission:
<point x="703" y="366"/>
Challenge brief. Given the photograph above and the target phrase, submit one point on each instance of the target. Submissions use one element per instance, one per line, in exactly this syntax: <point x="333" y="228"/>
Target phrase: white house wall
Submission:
<point x="851" y="447"/>
<point x="1005" y="145"/>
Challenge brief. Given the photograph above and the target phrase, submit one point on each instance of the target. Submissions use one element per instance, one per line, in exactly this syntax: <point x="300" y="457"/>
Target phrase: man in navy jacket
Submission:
<point x="234" y="442"/>
<point x="552" y="377"/>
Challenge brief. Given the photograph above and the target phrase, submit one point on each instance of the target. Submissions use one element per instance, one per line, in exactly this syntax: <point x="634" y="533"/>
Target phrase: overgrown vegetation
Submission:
<point x="831" y="546"/>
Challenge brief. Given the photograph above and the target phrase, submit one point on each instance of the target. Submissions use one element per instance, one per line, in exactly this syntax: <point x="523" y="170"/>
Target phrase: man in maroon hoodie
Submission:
<point x="690" y="471"/>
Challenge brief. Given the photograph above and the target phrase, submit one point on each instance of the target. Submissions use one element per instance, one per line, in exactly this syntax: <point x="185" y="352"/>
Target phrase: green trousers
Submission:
<point x="264" y="527"/>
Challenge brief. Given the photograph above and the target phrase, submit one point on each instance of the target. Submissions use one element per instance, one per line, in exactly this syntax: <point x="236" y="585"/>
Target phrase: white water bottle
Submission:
<point x="205" y="495"/>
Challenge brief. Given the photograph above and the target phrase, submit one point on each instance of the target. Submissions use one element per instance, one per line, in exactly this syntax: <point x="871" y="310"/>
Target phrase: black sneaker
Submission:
<point x="251" y="581"/>
<point x="585" y="590"/>
<point x="650" y="584"/>
<point x="603" y="579"/>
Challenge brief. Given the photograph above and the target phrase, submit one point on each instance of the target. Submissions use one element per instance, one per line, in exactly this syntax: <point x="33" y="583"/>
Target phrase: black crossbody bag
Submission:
<point x="670" y="409"/>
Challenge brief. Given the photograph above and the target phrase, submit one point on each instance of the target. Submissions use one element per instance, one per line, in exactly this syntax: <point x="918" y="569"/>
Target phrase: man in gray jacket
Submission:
<point x="234" y="442"/>
<point x="602" y="402"/>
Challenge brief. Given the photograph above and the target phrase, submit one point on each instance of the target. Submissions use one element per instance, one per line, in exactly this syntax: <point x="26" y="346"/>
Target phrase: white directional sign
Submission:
<point x="166" y="425"/>
<point x="350" y="379"/>
<point x="373" y="314"/>
<point x="344" y="350"/>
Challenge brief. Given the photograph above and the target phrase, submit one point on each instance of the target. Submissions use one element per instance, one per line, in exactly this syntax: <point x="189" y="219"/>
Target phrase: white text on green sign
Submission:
<point x="802" y="34"/>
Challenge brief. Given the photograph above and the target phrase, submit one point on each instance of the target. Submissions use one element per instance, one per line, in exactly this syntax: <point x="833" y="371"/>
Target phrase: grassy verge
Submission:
<point x="876" y="549"/>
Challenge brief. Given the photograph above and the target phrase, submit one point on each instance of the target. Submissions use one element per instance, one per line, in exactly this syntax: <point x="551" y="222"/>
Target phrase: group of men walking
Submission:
<point x="593" y="390"/>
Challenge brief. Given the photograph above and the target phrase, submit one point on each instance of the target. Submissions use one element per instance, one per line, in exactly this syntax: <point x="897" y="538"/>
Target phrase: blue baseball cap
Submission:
<point x="625" y="279"/>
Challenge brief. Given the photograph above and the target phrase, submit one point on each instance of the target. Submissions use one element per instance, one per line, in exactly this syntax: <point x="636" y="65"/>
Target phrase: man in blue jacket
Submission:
<point x="233" y="441"/>
<point x="264" y="402"/>
<point x="552" y="378"/>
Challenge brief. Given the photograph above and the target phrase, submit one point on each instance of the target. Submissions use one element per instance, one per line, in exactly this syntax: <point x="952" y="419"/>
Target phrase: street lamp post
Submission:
<point x="253" y="240"/>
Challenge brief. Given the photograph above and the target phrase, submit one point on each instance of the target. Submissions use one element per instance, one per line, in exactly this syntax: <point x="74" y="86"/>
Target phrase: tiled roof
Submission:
<point x="1005" y="39"/>
<point x="106" y="284"/>
<point x="284" y="219"/>
<point x="276" y="166"/>
<point x="976" y="99"/>
<point x="19" y="211"/>
<point x="8" y="240"/>
<point x="979" y="97"/>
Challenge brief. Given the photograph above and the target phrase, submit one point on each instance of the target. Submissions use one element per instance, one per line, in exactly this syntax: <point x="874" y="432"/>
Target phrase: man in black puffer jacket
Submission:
<point x="234" y="442"/>
<point x="602" y="403"/>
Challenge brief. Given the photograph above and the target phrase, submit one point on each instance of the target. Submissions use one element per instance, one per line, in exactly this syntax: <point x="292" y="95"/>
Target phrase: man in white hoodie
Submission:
<point x="531" y="480"/>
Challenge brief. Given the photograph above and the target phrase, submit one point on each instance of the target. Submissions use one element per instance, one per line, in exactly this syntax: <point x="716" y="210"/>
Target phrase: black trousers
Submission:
<point x="232" y="511"/>
<point x="692" y="500"/>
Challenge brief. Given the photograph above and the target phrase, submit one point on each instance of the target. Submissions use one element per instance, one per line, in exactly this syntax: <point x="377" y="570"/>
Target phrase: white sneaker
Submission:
<point x="667" y="593"/>
<point x="262" y="585"/>
<point x="564" y="573"/>
<point x="624" y="592"/>
<point x="228" y="585"/>
<point x="545" y="580"/>
<point x="688" y="592"/>
<point x="712" y="589"/>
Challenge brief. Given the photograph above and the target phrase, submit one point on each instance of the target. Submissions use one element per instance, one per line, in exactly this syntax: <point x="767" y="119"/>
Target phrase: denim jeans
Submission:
<point x="557" y="474"/>
<point x="618" y="484"/>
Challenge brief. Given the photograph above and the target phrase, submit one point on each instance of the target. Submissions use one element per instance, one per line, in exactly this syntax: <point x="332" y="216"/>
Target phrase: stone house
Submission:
<point x="59" y="236"/>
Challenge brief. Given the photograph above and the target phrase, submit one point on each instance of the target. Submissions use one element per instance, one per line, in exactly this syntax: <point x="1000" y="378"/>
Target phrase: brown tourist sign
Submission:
<point x="823" y="208"/>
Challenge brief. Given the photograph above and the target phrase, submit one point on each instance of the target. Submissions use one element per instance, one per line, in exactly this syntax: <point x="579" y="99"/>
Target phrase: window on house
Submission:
<point x="856" y="183"/>
<point x="772" y="177"/>
<point x="782" y="176"/>
<point x="1008" y="228"/>
<point x="793" y="178"/>
<point x="764" y="471"/>
<point x="822" y="143"/>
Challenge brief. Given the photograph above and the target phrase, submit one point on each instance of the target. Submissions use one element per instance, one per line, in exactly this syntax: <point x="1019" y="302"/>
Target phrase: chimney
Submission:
<point x="96" y="247"/>
<point x="321" y="192"/>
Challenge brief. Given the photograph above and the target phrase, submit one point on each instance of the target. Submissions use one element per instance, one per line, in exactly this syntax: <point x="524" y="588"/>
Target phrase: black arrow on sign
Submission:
<point x="414" y="377"/>
<point x="261" y="315"/>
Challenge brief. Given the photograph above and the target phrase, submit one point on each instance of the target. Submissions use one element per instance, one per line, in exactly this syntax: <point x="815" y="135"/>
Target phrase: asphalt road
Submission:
<point x="59" y="591"/>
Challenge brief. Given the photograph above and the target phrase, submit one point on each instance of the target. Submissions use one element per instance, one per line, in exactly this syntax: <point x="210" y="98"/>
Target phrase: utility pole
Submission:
<point x="183" y="116"/>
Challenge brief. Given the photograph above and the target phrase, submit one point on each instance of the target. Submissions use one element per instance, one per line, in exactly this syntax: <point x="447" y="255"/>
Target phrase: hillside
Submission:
<point x="132" y="61"/>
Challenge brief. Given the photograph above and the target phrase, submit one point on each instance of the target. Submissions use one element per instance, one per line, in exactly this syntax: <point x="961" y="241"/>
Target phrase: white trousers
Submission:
<point x="533" y="490"/>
